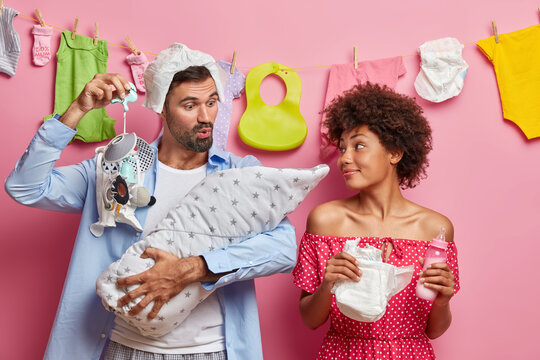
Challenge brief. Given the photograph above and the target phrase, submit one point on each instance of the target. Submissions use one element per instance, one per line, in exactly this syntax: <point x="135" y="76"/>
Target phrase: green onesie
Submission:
<point x="78" y="61"/>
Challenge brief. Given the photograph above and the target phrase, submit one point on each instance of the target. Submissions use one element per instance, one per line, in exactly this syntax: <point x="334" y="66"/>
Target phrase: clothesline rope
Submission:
<point x="239" y="67"/>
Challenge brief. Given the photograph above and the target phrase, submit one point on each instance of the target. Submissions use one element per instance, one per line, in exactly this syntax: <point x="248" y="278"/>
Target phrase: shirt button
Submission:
<point x="225" y="280"/>
<point x="44" y="127"/>
<point x="251" y="263"/>
<point x="103" y="336"/>
<point x="138" y="234"/>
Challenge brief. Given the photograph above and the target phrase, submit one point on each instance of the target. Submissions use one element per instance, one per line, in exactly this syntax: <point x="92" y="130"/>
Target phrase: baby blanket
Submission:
<point x="227" y="207"/>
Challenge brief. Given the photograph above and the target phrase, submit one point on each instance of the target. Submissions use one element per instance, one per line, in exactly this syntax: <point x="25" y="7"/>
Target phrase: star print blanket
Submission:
<point x="227" y="207"/>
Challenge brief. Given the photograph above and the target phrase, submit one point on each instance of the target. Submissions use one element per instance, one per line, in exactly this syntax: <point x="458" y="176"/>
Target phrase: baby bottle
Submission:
<point x="435" y="253"/>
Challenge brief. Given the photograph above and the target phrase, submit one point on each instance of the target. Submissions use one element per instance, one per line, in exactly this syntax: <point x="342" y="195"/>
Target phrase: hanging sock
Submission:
<point x="138" y="64"/>
<point x="41" y="51"/>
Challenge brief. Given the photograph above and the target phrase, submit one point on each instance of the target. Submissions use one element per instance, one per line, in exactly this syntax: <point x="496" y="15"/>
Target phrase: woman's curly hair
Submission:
<point x="395" y="118"/>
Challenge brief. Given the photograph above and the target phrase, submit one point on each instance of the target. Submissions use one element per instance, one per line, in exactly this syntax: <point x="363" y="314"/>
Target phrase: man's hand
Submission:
<point x="96" y="94"/>
<point x="166" y="279"/>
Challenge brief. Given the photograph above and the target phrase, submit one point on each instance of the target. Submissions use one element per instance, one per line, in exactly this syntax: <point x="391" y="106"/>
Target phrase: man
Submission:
<point x="226" y="324"/>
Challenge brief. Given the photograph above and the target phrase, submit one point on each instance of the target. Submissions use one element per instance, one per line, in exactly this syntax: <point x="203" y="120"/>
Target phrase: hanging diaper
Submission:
<point x="366" y="300"/>
<point x="279" y="127"/>
<point x="442" y="70"/>
<point x="119" y="190"/>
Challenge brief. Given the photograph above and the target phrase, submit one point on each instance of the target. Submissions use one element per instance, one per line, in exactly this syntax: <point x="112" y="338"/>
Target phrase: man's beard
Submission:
<point x="189" y="139"/>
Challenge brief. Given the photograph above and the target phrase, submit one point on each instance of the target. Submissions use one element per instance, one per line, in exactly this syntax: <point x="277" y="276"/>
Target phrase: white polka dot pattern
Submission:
<point x="233" y="89"/>
<point x="399" y="334"/>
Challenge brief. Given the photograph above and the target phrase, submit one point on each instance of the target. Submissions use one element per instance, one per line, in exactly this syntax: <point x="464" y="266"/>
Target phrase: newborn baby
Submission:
<point x="227" y="207"/>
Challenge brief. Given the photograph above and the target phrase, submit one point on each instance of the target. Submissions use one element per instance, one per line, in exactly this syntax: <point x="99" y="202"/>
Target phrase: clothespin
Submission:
<point x="95" y="33"/>
<point x="75" y="28"/>
<point x="233" y="64"/>
<point x="40" y="18"/>
<point x="1" y="6"/>
<point x="355" y="50"/>
<point x="495" y="32"/>
<point x="132" y="46"/>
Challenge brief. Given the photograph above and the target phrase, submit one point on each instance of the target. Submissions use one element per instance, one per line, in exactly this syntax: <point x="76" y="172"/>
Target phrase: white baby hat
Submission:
<point x="366" y="299"/>
<point x="442" y="70"/>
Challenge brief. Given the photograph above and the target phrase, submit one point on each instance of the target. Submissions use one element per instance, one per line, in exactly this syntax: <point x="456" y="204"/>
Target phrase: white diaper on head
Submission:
<point x="442" y="70"/>
<point x="366" y="299"/>
<point x="160" y="72"/>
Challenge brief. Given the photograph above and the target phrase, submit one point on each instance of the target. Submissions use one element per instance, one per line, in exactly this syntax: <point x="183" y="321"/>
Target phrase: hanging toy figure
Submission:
<point x="121" y="164"/>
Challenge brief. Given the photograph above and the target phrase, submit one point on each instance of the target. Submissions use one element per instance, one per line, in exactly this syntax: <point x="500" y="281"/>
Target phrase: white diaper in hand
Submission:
<point x="366" y="299"/>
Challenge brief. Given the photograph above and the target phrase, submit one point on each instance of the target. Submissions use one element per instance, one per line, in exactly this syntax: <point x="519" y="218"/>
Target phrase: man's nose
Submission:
<point x="204" y="115"/>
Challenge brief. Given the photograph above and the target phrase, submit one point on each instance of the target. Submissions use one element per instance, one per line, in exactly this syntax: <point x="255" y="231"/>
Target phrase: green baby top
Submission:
<point x="78" y="61"/>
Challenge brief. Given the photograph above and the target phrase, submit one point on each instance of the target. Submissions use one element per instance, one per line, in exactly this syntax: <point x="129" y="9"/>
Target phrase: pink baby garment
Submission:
<point x="345" y="76"/>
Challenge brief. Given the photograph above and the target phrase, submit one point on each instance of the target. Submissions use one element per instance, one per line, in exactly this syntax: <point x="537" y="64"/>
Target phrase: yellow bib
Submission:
<point x="279" y="127"/>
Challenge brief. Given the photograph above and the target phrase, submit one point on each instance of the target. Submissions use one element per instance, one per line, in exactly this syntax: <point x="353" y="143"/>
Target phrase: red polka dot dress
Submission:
<point x="399" y="334"/>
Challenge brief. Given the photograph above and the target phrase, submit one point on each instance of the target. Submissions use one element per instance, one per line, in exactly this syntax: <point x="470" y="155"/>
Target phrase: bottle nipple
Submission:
<point x="442" y="234"/>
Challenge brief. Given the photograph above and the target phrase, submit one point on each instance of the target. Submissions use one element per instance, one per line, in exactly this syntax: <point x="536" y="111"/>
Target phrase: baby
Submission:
<point x="227" y="207"/>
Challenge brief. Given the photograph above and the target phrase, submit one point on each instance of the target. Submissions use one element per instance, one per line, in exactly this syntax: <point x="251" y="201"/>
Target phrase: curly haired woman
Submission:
<point x="384" y="141"/>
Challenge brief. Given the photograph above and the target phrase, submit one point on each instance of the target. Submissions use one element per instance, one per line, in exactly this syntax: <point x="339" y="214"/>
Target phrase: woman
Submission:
<point x="384" y="140"/>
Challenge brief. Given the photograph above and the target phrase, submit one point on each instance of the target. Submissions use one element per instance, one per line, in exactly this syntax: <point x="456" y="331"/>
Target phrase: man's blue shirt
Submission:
<point x="82" y="324"/>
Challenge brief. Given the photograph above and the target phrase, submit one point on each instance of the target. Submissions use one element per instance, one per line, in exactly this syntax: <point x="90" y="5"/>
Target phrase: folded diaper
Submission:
<point x="366" y="300"/>
<point x="227" y="207"/>
<point x="442" y="70"/>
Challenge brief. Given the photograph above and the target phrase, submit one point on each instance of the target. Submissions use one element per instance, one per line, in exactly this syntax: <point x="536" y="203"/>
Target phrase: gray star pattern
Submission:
<point x="258" y="175"/>
<point x="296" y="179"/>
<point x="255" y="195"/>
<point x="213" y="208"/>
<point x="234" y="202"/>
<point x="276" y="187"/>
<point x="192" y="215"/>
<point x="215" y="189"/>
<point x="212" y="229"/>
<point x="236" y="182"/>
<point x="188" y="294"/>
<point x="191" y="235"/>
<point x="170" y="242"/>
<point x="233" y="222"/>
<point x="253" y="214"/>
<point x="272" y="205"/>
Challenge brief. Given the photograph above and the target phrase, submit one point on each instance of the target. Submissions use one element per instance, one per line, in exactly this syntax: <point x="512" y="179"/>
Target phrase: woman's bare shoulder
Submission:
<point x="325" y="216"/>
<point x="432" y="222"/>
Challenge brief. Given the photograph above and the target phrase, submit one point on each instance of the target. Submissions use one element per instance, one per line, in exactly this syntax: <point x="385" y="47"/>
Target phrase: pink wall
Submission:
<point x="484" y="174"/>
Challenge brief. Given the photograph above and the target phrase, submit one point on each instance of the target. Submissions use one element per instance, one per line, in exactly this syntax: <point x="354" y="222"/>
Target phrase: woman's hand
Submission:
<point x="341" y="266"/>
<point x="439" y="278"/>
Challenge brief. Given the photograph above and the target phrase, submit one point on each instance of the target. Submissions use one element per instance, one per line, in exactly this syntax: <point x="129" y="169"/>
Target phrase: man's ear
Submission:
<point x="162" y="114"/>
<point x="395" y="156"/>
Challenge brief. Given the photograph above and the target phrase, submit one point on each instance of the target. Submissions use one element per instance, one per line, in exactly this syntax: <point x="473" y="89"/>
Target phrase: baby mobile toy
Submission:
<point x="119" y="169"/>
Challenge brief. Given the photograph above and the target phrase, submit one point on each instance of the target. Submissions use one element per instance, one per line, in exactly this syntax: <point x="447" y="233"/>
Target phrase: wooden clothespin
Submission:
<point x="75" y="28"/>
<point x="495" y="32"/>
<point x="95" y="34"/>
<point x="355" y="50"/>
<point x="1" y="7"/>
<point x="233" y="64"/>
<point x="40" y="18"/>
<point x="132" y="46"/>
